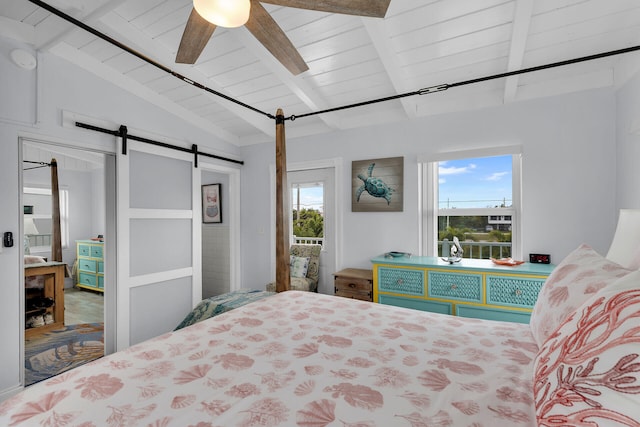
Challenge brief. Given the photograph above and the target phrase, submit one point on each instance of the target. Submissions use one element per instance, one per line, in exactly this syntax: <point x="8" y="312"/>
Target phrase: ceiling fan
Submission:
<point x="255" y="17"/>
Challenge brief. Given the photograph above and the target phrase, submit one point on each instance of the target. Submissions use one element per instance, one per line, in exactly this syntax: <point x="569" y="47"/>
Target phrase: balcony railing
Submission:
<point x="308" y="240"/>
<point x="479" y="250"/>
<point x="482" y="250"/>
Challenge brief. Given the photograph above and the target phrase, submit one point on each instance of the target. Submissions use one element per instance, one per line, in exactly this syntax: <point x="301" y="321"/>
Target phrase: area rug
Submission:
<point x="59" y="350"/>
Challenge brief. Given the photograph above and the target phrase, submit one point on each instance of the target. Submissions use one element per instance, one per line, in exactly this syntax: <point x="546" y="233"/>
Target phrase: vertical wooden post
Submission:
<point x="283" y="278"/>
<point x="56" y="233"/>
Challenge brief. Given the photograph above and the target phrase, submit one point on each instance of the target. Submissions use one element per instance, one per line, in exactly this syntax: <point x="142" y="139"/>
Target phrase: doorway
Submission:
<point x="312" y="207"/>
<point x="85" y="201"/>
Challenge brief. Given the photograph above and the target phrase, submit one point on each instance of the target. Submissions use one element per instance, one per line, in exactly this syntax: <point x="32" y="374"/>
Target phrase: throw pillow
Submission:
<point x="298" y="266"/>
<point x="580" y="275"/>
<point x="588" y="371"/>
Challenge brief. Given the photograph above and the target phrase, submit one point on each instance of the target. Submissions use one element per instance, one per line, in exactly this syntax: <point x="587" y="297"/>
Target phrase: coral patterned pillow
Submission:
<point x="580" y="275"/>
<point x="588" y="372"/>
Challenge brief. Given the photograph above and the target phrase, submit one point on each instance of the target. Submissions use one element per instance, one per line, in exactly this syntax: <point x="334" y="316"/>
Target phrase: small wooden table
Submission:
<point x="354" y="283"/>
<point x="53" y="273"/>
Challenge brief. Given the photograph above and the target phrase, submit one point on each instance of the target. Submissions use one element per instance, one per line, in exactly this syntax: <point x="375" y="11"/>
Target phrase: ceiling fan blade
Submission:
<point x="373" y="8"/>
<point x="196" y="35"/>
<point x="269" y="33"/>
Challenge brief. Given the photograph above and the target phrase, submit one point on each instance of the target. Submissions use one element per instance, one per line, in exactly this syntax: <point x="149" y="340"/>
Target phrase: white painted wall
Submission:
<point x="568" y="158"/>
<point x="60" y="86"/>
<point x="628" y="135"/>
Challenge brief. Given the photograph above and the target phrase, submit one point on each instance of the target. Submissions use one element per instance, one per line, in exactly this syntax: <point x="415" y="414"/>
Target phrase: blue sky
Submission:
<point x="310" y="198"/>
<point x="475" y="183"/>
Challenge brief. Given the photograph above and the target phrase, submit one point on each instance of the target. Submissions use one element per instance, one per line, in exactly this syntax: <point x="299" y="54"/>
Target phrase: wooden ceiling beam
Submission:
<point x="520" y="34"/>
<point x="49" y="32"/>
<point x="382" y="43"/>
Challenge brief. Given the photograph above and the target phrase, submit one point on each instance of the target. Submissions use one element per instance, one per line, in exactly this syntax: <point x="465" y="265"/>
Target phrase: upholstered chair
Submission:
<point x="310" y="280"/>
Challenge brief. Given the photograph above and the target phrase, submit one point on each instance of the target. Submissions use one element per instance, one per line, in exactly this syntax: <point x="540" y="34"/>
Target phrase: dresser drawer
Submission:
<point x="96" y="251"/>
<point x="455" y="286"/>
<point x="513" y="291"/>
<point x="84" y="250"/>
<point x="100" y="267"/>
<point x="401" y="281"/>
<point x="87" y="265"/>
<point x="101" y="282"/>
<point x="88" y="280"/>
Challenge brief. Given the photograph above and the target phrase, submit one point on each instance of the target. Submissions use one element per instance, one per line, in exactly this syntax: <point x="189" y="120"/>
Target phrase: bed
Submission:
<point x="306" y="359"/>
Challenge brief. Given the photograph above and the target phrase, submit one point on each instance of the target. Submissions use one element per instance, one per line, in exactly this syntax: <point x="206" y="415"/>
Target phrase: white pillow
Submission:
<point x="588" y="371"/>
<point x="298" y="266"/>
<point x="580" y="275"/>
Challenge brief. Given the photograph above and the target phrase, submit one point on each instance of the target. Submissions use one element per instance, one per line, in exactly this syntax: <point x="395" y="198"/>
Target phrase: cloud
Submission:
<point x="497" y="176"/>
<point x="455" y="170"/>
<point x="442" y="181"/>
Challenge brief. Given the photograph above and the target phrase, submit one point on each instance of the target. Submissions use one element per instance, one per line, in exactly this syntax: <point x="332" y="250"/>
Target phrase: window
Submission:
<point x="477" y="200"/>
<point x="38" y="225"/>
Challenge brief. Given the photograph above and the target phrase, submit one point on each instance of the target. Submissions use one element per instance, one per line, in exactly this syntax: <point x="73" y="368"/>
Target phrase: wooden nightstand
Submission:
<point x="354" y="283"/>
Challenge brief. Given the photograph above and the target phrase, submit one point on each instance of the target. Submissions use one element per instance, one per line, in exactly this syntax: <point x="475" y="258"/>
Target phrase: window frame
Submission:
<point x="428" y="171"/>
<point x="64" y="215"/>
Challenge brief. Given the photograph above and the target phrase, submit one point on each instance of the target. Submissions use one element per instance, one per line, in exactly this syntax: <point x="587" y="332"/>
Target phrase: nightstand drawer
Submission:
<point x="87" y="265"/>
<point x="401" y="281"/>
<point x="88" y="280"/>
<point x="455" y="286"/>
<point x="361" y="295"/>
<point x="514" y="291"/>
<point x="353" y="288"/>
<point x="352" y="284"/>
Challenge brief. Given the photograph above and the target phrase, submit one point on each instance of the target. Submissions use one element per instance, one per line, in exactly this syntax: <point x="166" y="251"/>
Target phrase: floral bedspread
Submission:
<point x="300" y="359"/>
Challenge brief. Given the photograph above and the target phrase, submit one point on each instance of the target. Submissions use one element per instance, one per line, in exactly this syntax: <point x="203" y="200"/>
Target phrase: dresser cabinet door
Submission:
<point x="417" y="304"/>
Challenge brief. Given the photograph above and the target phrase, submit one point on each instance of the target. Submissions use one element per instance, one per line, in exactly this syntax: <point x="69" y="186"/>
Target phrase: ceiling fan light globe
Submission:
<point x="224" y="13"/>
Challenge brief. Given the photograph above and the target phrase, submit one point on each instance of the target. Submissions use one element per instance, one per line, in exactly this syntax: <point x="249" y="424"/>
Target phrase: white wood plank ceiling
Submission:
<point x="420" y="43"/>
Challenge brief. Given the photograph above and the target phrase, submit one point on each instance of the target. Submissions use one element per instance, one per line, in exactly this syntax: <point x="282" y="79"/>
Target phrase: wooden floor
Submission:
<point x="82" y="306"/>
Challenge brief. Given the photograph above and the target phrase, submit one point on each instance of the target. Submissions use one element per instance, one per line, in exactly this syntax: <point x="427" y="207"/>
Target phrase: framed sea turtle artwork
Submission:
<point x="377" y="185"/>
<point x="211" y="203"/>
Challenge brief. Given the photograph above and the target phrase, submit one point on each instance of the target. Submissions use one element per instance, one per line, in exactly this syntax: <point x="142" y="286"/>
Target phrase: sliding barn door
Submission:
<point x="159" y="255"/>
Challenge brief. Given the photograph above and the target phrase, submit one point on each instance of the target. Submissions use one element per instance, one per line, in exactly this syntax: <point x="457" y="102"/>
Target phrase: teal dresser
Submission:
<point x="90" y="274"/>
<point x="472" y="288"/>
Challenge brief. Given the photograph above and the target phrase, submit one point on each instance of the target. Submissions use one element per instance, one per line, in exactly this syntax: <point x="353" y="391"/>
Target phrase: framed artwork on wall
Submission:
<point x="211" y="204"/>
<point x="376" y="185"/>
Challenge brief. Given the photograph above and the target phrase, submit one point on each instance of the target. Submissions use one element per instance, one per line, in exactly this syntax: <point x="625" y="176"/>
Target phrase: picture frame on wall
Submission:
<point x="377" y="185"/>
<point x="211" y="204"/>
